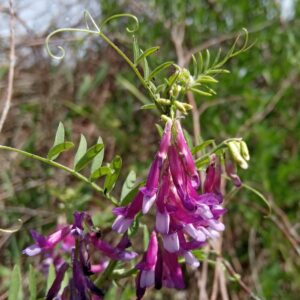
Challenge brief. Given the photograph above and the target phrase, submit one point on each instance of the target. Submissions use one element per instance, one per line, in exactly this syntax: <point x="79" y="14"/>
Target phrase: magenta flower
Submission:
<point x="185" y="217"/>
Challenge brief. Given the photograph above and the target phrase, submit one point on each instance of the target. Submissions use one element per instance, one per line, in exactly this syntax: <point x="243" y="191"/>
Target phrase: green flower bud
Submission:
<point x="164" y="101"/>
<point x="235" y="151"/>
<point x="180" y="106"/>
<point x="244" y="150"/>
<point x="187" y="106"/>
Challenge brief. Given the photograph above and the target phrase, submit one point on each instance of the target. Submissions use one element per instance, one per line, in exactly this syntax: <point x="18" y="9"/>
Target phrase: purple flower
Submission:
<point x="187" y="157"/>
<point x="147" y="265"/>
<point x="45" y="243"/>
<point x="125" y="215"/>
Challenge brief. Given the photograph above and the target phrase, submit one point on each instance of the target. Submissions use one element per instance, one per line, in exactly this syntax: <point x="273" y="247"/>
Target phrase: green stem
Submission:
<point x="107" y="273"/>
<point x="128" y="273"/>
<point x="132" y="66"/>
<point x="220" y="146"/>
<point x="62" y="167"/>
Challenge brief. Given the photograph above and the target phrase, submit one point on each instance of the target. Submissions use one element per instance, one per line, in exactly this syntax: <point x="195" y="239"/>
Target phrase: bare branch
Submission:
<point x="8" y="96"/>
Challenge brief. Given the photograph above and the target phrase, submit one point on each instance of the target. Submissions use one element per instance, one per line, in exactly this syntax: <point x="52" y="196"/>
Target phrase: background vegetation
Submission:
<point x="93" y="92"/>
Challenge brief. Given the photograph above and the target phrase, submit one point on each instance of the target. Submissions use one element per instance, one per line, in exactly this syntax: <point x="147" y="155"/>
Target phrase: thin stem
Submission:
<point x="62" y="167"/>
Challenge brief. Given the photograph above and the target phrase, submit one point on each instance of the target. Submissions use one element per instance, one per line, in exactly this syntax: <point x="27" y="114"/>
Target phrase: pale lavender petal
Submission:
<point x="147" y="278"/>
<point x="171" y="242"/>
<point x="196" y="234"/>
<point x="191" y="260"/>
<point x="32" y="250"/>
<point x="216" y="225"/>
<point x="162" y="222"/>
<point x="147" y="203"/>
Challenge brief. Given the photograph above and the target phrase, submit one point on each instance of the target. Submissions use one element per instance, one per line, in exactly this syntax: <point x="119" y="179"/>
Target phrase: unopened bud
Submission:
<point x="235" y="151"/>
<point x="244" y="150"/>
<point x="187" y="106"/>
<point x="164" y="101"/>
<point x="180" y="106"/>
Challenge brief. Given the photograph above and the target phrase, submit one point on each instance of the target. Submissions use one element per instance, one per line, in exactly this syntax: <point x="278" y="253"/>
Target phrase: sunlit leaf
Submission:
<point x="51" y="277"/>
<point x="102" y="171"/>
<point x="81" y="149"/>
<point x="159" y="69"/>
<point x="98" y="159"/>
<point x="59" y="148"/>
<point x="88" y="156"/>
<point x="202" y="146"/>
<point x="148" y="106"/>
<point x="59" y="136"/>
<point x="111" y="179"/>
<point x="128" y="184"/>
<point x="146" y="53"/>
<point x="145" y="237"/>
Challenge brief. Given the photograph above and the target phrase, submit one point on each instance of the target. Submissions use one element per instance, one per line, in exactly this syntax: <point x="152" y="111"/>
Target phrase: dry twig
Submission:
<point x="8" y="96"/>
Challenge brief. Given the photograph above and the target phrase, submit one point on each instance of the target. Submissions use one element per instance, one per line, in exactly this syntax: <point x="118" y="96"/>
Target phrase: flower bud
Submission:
<point x="180" y="106"/>
<point x="187" y="106"/>
<point x="244" y="150"/>
<point x="163" y="101"/>
<point x="235" y="151"/>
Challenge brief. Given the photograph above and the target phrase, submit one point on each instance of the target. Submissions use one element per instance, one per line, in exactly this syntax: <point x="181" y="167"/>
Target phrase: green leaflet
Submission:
<point x="88" y="156"/>
<point x="128" y="184"/>
<point x="111" y="178"/>
<point x="59" y="148"/>
<point x="146" y="53"/>
<point x="81" y="149"/>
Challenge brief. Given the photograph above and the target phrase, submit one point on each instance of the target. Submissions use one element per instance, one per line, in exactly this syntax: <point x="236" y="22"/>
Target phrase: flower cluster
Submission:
<point x="187" y="212"/>
<point x="78" y="239"/>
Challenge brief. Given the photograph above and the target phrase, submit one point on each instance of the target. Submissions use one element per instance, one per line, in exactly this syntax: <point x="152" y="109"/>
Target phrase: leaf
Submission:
<point x="136" y="49"/>
<point x="206" y="79"/>
<point x="146" y="68"/>
<point x="159" y="69"/>
<point x="201" y="162"/>
<point x="15" y="284"/>
<point x="202" y="146"/>
<point x="81" y="149"/>
<point x="128" y="198"/>
<point x="207" y="61"/>
<point x="188" y="138"/>
<point x="32" y="283"/>
<point x="51" y="277"/>
<point x="133" y="229"/>
<point x="159" y="129"/>
<point x="59" y="148"/>
<point x="195" y="66"/>
<point x="202" y="93"/>
<point x="132" y="89"/>
<point x="88" y="156"/>
<point x="148" y="106"/>
<point x="111" y="179"/>
<point x="59" y="136"/>
<point x="128" y="184"/>
<point x="105" y="170"/>
<point x="98" y="159"/>
<point x="146" y="53"/>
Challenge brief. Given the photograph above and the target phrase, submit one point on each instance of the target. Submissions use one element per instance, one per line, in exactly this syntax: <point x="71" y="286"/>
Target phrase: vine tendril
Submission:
<point x="130" y="30"/>
<point x="87" y="16"/>
<point x="62" y="50"/>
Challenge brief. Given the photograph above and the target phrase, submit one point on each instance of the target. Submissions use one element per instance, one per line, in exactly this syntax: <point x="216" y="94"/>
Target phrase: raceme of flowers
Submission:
<point x="187" y="213"/>
<point x="185" y="217"/>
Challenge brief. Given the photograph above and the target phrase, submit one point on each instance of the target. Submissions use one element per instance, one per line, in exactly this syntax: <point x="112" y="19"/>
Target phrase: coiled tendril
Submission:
<point x="96" y="30"/>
